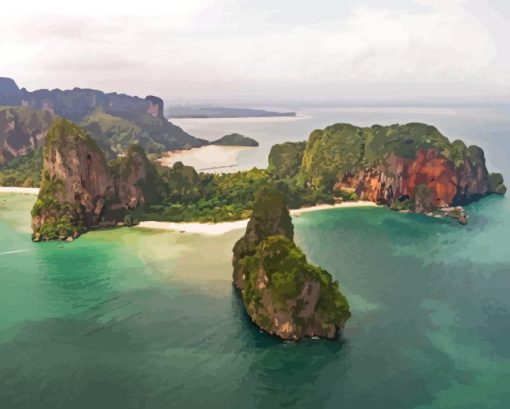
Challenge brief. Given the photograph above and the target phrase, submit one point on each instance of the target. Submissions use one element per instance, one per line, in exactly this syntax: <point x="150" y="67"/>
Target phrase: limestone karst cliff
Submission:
<point x="115" y="121"/>
<point x="80" y="191"/>
<point x="409" y="166"/>
<point x="22" y="130"/>
<point x="283" y="294"/>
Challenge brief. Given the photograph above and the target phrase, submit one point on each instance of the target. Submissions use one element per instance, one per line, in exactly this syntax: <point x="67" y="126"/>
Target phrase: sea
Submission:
<point x="134" y="318"/>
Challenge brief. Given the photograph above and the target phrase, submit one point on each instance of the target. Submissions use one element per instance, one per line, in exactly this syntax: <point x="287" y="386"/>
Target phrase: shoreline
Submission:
<point x="217" y="229"/>
<point x="24" y="190"/>
<point x="208" y="158"/>
<point x="207" y="229"/>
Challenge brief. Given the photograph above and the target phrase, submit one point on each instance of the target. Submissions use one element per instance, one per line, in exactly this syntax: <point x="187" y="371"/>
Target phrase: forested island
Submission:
<point x="235" y="139"/>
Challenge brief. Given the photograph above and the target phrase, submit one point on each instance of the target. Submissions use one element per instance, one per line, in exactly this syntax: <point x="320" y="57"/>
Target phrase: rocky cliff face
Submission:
<point x="79" y="190"/>
<point x="282" y="293"/>
<point x="22" y="130"/>
<point x="77" y="103"/>
<point x="403" y="165"/>
<point x="114" y="120"/>
<point x="430" y="181"/>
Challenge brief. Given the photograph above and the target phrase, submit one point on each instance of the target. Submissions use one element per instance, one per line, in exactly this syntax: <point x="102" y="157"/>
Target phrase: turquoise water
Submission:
<point x="139" y="319"/>
<point x="142" y="319"/>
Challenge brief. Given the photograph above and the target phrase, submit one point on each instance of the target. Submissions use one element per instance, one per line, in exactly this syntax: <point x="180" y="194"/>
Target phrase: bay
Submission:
<point x="128" y="318"/>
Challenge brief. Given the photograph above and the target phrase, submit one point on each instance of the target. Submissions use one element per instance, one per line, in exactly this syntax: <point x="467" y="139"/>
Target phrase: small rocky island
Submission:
<point x="283" y="294"/>
<point x="235" y="139"/>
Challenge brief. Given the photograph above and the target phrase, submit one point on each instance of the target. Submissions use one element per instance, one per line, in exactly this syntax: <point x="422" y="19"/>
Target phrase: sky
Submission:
<point x="263" y="50"/>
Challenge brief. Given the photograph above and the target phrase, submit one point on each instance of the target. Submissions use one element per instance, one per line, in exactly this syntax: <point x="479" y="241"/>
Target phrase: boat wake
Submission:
<point x="4" y="253"/>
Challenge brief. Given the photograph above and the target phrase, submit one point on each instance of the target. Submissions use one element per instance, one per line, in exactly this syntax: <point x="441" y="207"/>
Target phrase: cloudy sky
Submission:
<point x="262" y="49"/>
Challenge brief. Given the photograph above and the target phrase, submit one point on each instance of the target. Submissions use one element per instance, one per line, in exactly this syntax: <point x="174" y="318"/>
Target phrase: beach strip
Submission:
<point x="217" y="229"/>
<point x="207" y="229"/>
<point x="13" y="189"/>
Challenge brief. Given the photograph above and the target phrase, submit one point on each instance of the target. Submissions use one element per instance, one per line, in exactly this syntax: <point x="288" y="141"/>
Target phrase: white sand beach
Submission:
<point x="207" y="229"/>
<point x="26" y="190"/>
<point x="217" y="229"/>
<point x="359" y="203"/>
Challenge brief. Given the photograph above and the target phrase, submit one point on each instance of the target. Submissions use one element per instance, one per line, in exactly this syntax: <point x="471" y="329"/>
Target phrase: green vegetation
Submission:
<point x="130" y="220"/>
<point x="21" y="131"/>
<point x="115" y="134"/>
<point x="457" y="152"/>
<point x="287" y="270"/>
<point x="235" y="139"/>
<point x="136" y="162"/>
<point x="306" y="173"/>
<point x="276" y="280"/>
<point x="64" y="133"/>
<point x="285" y="159"/>
<point x="496" y="184"/>
<point x="344" y="149"/>
<point x="206" y="197"/>
<point x="57" y="219"/>
<point x="23" y="171"/>
<point x="190" y="196"/>
<point x="402" y="204"/>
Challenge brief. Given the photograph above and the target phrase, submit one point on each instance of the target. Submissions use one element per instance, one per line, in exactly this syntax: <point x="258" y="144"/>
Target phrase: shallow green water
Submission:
<point x="133" y="319"/>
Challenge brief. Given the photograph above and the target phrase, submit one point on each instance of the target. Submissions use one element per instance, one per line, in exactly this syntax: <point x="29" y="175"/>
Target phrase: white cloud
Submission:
<point x="204" y="47"/>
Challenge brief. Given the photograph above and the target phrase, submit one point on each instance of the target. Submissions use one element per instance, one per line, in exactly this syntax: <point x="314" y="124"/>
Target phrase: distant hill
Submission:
<point x="179" y="111"/>
<point x="10" y="94"/>
<point x="114" y="120"/>
<point x="235" y="139"/>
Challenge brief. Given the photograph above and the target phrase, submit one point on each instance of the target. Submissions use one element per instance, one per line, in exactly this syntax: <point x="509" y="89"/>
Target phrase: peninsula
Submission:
<point x="209" y="111"/>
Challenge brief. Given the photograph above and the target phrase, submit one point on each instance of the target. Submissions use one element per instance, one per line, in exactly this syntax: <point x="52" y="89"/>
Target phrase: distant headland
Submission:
<point x="210" y="111"/>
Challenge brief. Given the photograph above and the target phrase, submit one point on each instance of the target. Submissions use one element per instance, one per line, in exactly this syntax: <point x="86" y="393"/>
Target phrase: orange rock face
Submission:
<point x="437" y="173"/>
<point x="403" y="178"/>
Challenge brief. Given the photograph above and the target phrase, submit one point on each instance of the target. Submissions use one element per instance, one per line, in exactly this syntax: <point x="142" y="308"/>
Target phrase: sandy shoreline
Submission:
<point x="206" y="229"/>
<point x="217" y="229"/>
<point x="210" y="158"/>
<point x="26" y="190"/>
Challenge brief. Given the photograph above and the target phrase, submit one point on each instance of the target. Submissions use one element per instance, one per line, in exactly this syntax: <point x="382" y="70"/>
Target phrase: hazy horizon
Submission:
<point x="235" y="51"/>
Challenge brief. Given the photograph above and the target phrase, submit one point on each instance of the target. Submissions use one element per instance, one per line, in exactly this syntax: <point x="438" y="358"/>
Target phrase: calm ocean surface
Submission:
<point x="128" y="318"/>
<point x="487" y="127"/>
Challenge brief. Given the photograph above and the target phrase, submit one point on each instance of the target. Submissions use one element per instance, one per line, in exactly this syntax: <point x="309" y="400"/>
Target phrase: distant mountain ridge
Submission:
<point x="115" y="120"/>
<point x="77" y="103"/>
